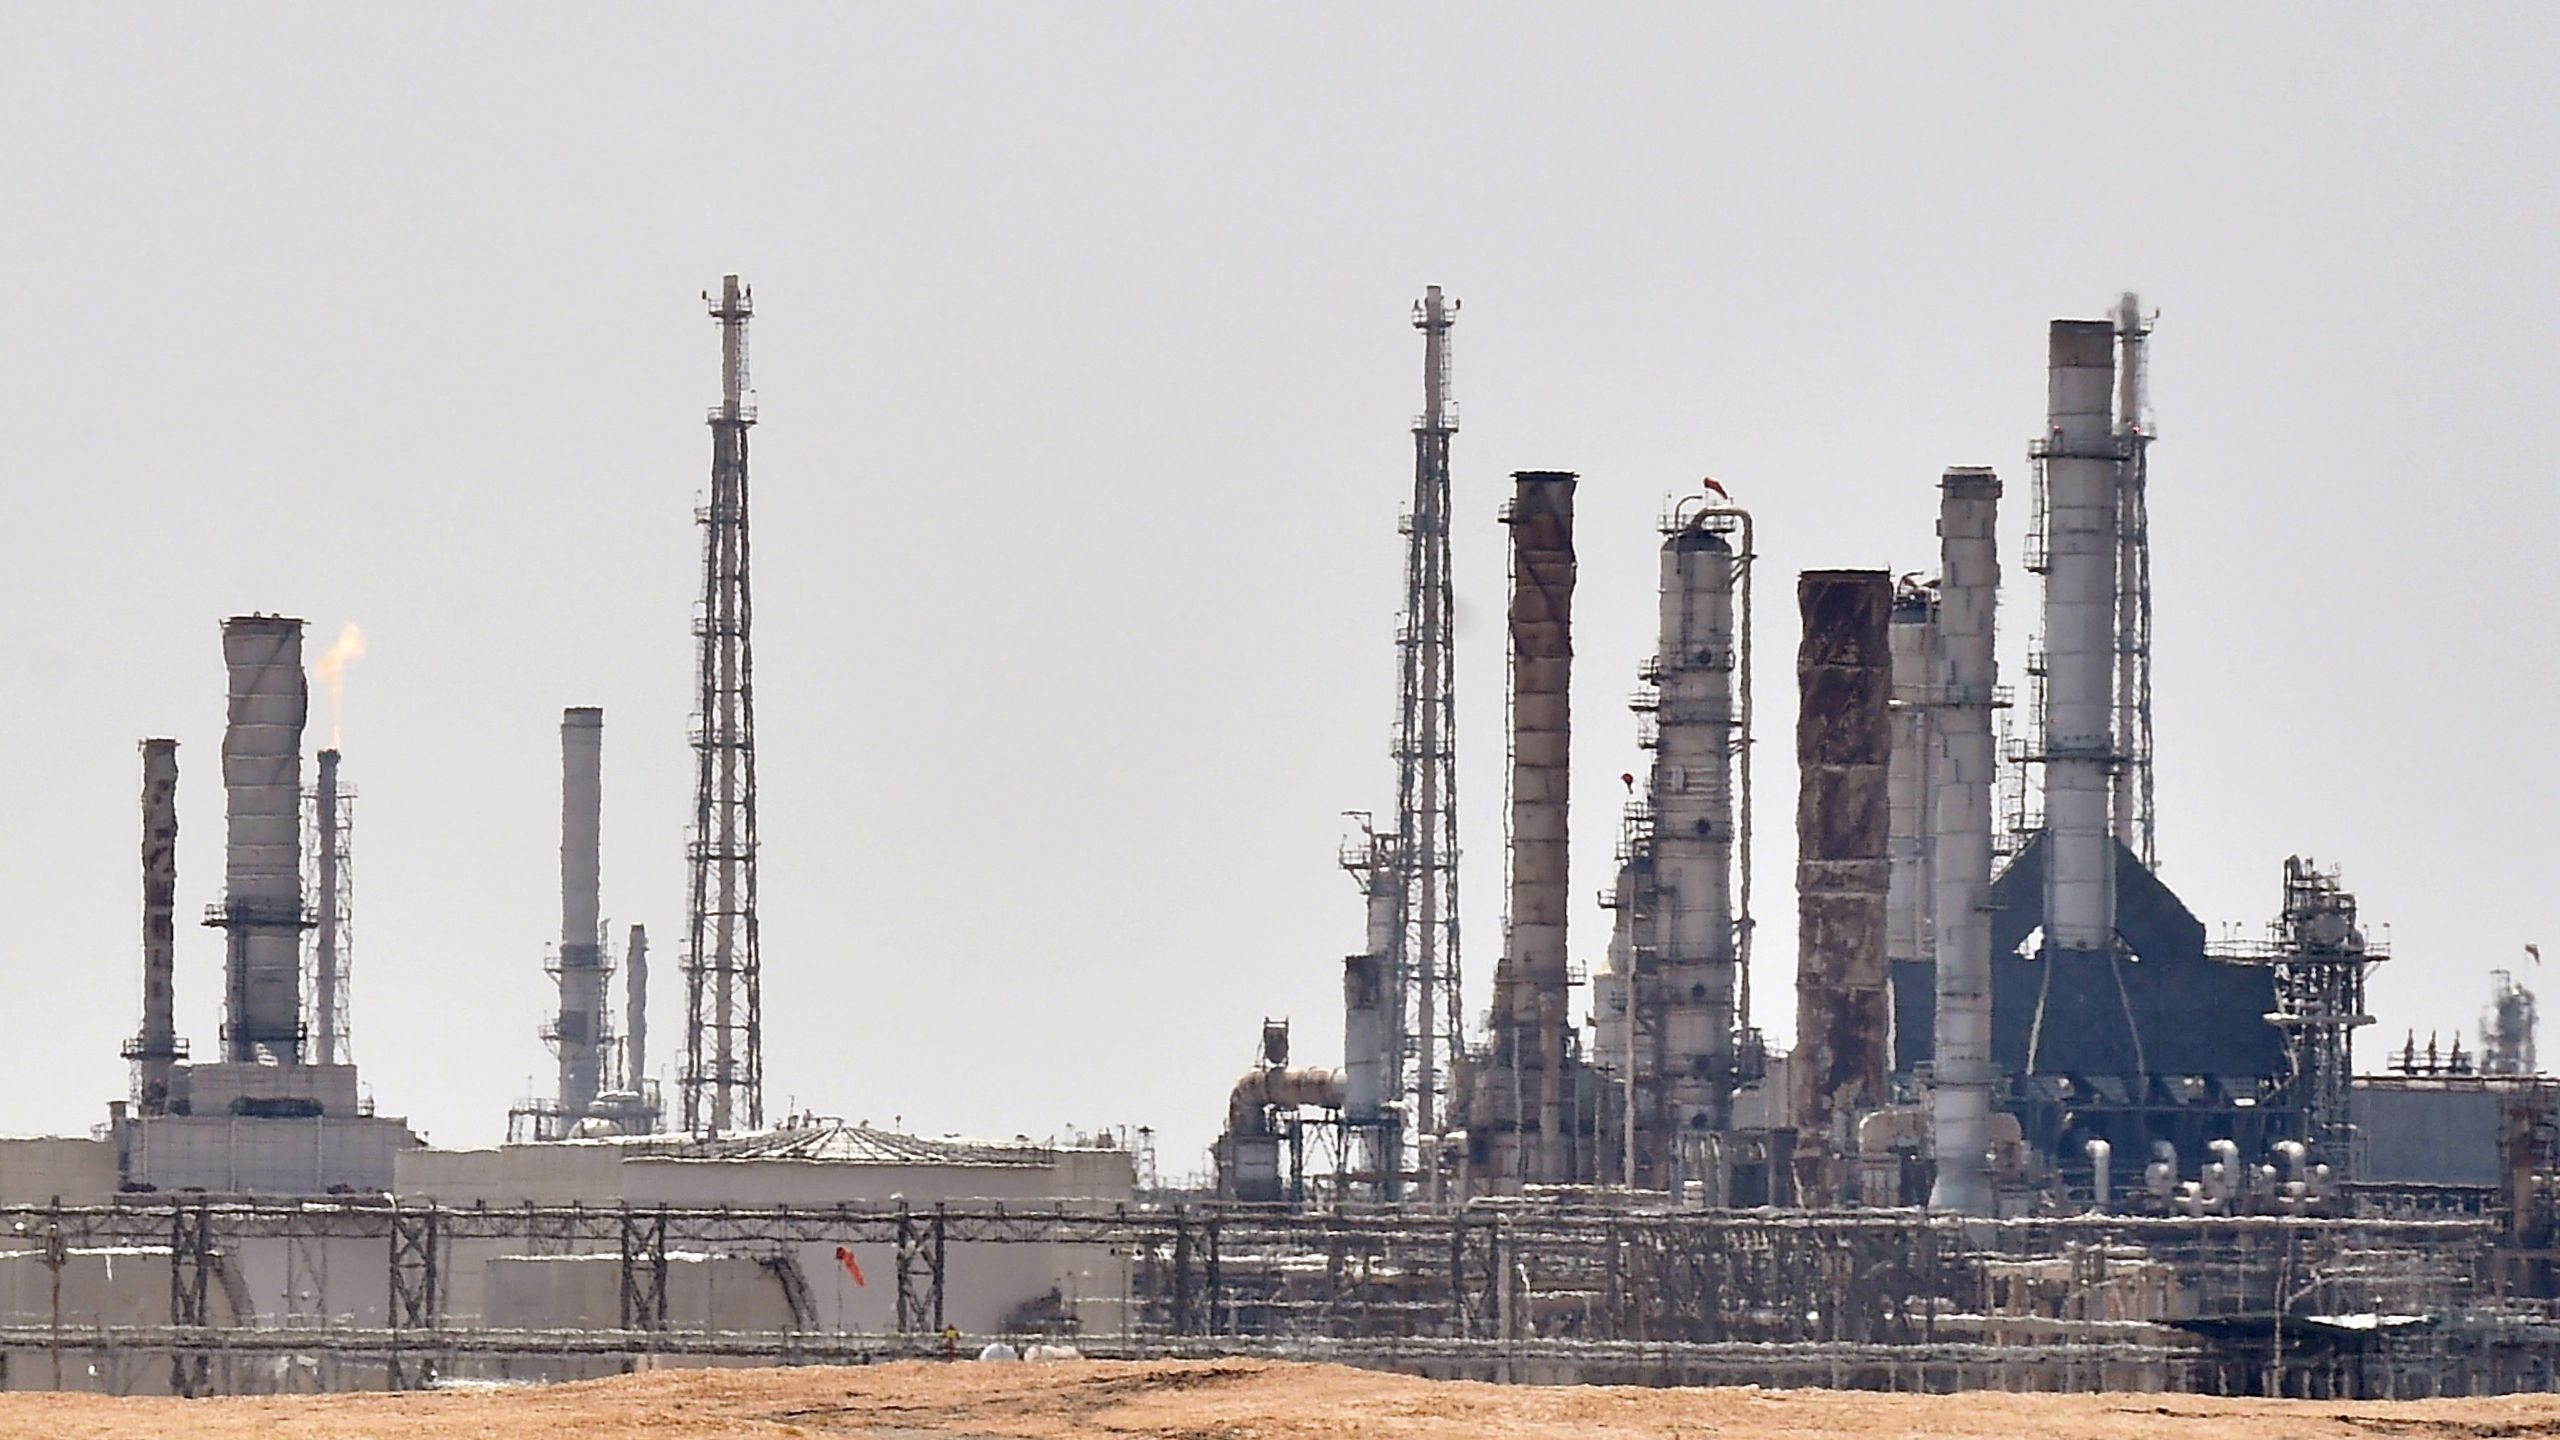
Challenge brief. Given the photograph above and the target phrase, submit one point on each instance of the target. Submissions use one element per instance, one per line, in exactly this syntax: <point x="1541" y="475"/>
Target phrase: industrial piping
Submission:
<point x="1968" y="615"/>
<point x="262" y="911"/>
<point x="2079" y="458"/>
<point x="155" y="1051"/>
<point x="1532" y="988"/>
<point x="1844" y="745"/>
<point x="579" y="1030"/>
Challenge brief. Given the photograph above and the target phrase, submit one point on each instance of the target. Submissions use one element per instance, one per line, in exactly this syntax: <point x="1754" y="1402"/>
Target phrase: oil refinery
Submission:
<point x="2034" y="1126"/>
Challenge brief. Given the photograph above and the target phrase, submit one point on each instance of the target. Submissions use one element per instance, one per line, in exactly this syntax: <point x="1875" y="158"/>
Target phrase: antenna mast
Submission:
<point x="723" y="1078"/>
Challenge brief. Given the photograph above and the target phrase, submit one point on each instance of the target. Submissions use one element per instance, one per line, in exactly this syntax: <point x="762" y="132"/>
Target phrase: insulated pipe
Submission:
<point x="1269" y="1086"/>
<point x="580" y="1026"/>
<point x="154" y="1051"/>
<point x="2079" y="454"/>
<point x="325" y="974"/>
<point x="1531" y="989"/>
<point x="1693" y="830"/>
<point x="1960" y="1094"/>
<point x="261" y="910"/>
<point x="1908" y="931"/>
<point x="2101" y="1171"/>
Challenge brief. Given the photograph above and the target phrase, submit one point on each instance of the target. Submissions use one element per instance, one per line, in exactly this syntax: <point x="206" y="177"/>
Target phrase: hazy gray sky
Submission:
<point x="1085" y="375"/>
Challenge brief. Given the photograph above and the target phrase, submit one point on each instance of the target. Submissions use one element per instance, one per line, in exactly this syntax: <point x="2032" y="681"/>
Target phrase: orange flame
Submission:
<point x="332" y="667"/>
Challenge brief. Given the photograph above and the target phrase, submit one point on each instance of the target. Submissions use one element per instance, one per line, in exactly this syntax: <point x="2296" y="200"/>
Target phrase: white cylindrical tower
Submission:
<point x="1694" y="823"/>
<point x="579" y="1030"/>
<point x="1961" y="797"/>
<point x="1909" y="933"/>
<point x="262" y="909"/>
<point x="2079" y="455"/>
<point x="1368" y="989"/>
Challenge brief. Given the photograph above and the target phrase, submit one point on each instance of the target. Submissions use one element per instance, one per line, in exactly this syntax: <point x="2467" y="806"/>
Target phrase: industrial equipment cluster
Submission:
<point x="2033" y="1129"/>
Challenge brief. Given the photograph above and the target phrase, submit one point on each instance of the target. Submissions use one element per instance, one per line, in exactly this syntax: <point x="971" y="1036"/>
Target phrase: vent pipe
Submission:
<point x="1844" y="745"/>
<point x="2079" y="457"/>
<point x="1532" y="987"/>
<point x="326" y="968"/>
<point x="1909" y="935"/>
<point x="262" y="912"/>
<point x="579" y="1031"/>
<point x="155" y="1050"/>
<point x="1961" y="797"/>
<point x="635" y="1024"/>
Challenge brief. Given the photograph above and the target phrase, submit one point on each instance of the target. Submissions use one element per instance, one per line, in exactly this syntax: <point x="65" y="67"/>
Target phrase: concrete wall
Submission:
<point x="41" y="1170"/>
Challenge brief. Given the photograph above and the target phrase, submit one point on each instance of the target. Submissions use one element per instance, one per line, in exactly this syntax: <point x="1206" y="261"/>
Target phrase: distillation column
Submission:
<point x="1909" y="932"/>
<point x="578" y="1032"/>
<point x="2079" y="458"/>
<point x="1968" y="613"/>
<point x="155" y="1051"/>
<point x="635" y="1025"/>
<point x="1844" y="745"/>
<point x="1532" y="988"/>
<point x="1693" y="831"/>
<point x="261" y="911"/>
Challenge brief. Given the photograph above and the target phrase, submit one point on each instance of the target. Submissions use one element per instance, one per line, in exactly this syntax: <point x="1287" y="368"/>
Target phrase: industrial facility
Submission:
<point x="2033" y="1127"/>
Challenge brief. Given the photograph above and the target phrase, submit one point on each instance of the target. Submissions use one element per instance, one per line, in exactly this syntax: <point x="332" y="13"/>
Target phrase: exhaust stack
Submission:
<point x="327" y="958"/>
<point x="155" y="1051"/>
<point x="1968" y="614"/>
<point x="1844" y="745"/>
<point x="1532" y="987"/>
<point x="578" y="1033"/>
<point x="2079" y="455"/>
<point x="261" y="912"/>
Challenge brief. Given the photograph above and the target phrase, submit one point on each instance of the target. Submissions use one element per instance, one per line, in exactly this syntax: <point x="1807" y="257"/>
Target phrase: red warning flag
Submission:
<point x="1710" y="483"/>
<point x="851" y="1266"/>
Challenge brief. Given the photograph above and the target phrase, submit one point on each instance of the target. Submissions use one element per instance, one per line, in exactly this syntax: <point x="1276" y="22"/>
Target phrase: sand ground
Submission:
<point x="1226" y="1400"/>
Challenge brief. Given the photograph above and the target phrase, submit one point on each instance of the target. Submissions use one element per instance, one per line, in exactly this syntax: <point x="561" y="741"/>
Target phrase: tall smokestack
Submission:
<point x="1968" y="615"/>
<point x="579" y="1029"/>
<point x="1844" y="745"/>
<point x="1909" y="933"/>
<point x="261" y="912"/>
<point x="1532" y="988"/>
<point x="2079" y="456"/>
<point x="154" y="1051"/>
<point x="325" y="970"/>
<point x="635" y="1025"/>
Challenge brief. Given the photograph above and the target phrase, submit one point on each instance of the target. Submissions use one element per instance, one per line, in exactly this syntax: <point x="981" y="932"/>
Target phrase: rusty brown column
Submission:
<point x="1844" y="744"/>
<point x="1532" y="1002"/>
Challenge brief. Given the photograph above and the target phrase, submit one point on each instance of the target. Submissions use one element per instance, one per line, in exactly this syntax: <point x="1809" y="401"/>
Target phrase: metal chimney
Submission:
<point x="1692" y="996"/>
<point x="2079" y="458"/>
<point x="326" y="969"/>
<point x="1532" y="988"/>
<point x="635" y="1025"/>
<point x="262" y="912"/>
<point x="155" y="1050"/>
<point x="1844" y="745"/>
<point x="579" y="1030"/>
<point x="1909" y="933"/>
<point x="1968" y="614"/>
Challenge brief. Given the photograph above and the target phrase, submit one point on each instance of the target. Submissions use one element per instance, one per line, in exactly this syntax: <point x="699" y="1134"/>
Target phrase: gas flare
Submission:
<point x="332" y="668"/>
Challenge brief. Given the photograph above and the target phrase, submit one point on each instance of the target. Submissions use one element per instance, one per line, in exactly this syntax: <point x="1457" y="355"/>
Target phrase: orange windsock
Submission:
<point x="851" y="1266"/>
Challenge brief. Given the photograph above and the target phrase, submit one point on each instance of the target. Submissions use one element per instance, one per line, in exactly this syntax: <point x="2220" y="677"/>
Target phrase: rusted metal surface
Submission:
<point x="1843" y="748"/>
<point x="1531" y="992"/>
<point x="154" y="1052"/>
